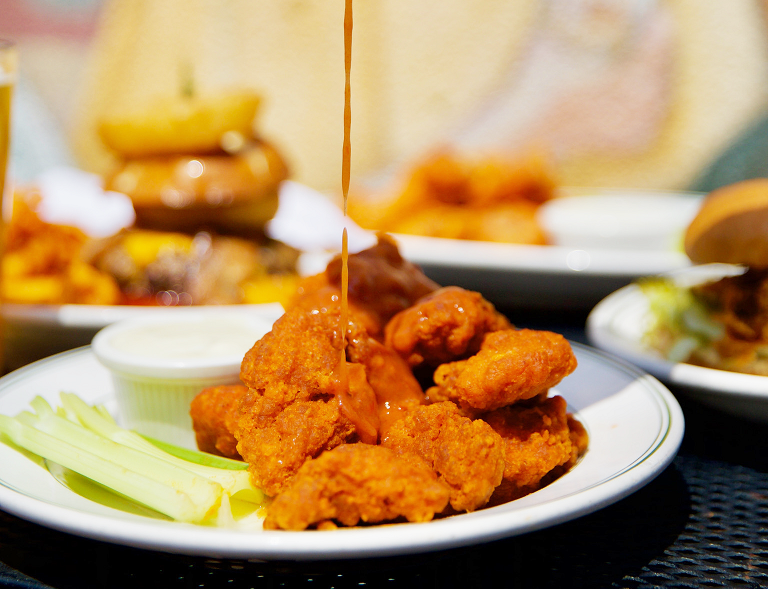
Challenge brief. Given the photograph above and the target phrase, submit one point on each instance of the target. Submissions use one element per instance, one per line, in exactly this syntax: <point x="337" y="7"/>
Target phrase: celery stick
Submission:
<point x="130" y="458"/>
<point x="232" y="480"/>
<point x="151" y="485"/>
<point x="203" y="458"/>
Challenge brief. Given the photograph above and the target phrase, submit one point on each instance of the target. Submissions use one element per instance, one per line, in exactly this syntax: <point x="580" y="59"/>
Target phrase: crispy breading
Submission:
<point x="511" y="365"/>
<point x="357" y="483"/>
<point x="467" y="455"/>
<point x="446" y="325"/>
<point x="381" y="284"/>
<point x="297" y="356"/>
<point x="291" y="412"/>
<point x="214" y="412"/>
<point x="315" y="293"/>
<point x="276" y="443"/>
<point x="537" y="440"/>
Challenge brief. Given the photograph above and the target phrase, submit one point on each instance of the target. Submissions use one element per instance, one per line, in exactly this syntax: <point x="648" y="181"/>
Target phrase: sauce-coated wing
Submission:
<point x="467" y="455"/>
<point x="446" y="325"/>
<point x="537" y="440"/>
<point x="291" y="412"/>
<point x="276" y="443"/>
<point x="511" y="365"/>
<point x="358" y="483"/>
<point x="390" y="377"/>
<point x="214" y="412"/>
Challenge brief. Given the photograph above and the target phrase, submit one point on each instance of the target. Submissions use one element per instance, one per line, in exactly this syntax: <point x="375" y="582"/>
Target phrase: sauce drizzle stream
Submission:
<point x="355" y="409"/>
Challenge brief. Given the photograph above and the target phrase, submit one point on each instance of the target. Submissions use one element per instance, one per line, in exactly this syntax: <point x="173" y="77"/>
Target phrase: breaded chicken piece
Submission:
<point x="277" y="443"/>
<point x="298" y="355"/>
<point x="537" y="440"/>
<point x="511" y="365"/>
<point x="446" y="325"/>
<point x="356" y="483"/>
<point x="314" y="293"/>
<point x="293" y="411"/>
<point x="579" y="440"/>
<point x="381" y="284"/>
<point x="467" y="455"/>
<point x="214" y="412"/>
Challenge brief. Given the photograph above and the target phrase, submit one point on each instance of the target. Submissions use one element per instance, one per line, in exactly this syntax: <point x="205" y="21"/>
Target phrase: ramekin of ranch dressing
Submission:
<point x="159" y="362"/>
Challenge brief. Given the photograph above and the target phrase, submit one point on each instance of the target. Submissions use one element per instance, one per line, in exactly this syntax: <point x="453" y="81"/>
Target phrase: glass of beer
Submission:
<point x="8" y="65"/>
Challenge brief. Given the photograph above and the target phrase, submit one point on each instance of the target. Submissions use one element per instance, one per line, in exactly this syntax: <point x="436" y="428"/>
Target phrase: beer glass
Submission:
<point x="7" y="79"/>
<point x="8" y="64"/>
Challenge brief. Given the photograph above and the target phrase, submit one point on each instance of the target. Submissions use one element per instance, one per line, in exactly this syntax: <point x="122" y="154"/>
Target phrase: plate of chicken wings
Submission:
<point x="446" y="426"/>
<point x="635" y="427"/>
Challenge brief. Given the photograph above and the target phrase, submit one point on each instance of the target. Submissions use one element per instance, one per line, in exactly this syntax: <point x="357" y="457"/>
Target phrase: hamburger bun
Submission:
<point x="181" y="125"/>
<point x="234" y="193"/>
<point x="731" y="226"/>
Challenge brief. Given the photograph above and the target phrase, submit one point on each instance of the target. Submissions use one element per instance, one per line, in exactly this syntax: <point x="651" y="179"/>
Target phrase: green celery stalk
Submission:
<point x="166" y="488"/>
<point x="233" y="481"/>
<point x="197" y="457"/>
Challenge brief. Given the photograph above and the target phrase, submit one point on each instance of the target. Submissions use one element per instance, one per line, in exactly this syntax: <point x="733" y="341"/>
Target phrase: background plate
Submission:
<point x="617" y="325"/>
<point x="604" y="247"/>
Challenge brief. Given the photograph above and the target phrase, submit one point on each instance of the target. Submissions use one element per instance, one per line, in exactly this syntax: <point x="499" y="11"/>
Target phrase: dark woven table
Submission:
<point x="702" y="523"/>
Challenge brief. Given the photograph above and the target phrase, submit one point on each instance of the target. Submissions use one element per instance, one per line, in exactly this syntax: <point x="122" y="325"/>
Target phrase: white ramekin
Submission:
<point x="160" y="362"/>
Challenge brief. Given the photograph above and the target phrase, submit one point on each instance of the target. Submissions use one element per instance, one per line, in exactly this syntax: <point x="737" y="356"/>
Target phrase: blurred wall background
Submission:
<point x="623" y="93"/>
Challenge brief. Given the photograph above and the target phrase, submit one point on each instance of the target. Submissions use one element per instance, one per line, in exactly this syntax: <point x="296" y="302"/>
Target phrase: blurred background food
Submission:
<point x="52" y="264"/>
<point x="720" y="320"/>
<point x="189" y="161"/>
<point x="456" y="197"/>
<point x="468" y="115"/>
<point x="642" y="94"/>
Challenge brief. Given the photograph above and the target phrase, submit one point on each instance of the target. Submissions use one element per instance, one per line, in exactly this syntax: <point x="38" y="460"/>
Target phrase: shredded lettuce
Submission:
<point x="87" y="440"/>
<point x="681" y="323"/>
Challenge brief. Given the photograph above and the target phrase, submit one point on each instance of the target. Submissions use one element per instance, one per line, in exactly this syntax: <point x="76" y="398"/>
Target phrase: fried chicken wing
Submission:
<point x="358" y="483"/>
<point x="298" y="355"/>
<point x="214" y="413"/>
<point x="467" y="455"/>
<point x="277" y="443"/>
<point x="443" y="326"/>
<point x="511" y="365"/>
<point x="315" y="293"/>
<point x="292" y="411"/>
<point x="381" y="284"/>
<point x="537" y="440"/>
<point x="300" y="404"/>
<point x="336" y="427"/>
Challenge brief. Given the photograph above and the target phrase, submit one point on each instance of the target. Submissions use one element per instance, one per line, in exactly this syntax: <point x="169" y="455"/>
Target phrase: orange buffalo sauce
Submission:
<point x="356" y="398"/>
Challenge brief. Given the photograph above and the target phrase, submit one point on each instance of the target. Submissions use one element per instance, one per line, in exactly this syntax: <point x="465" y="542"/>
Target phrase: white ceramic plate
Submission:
<point x="617" y="325"/>
<point x="32" y="332"/>
<point x="635" y="427"/>
<point x="535" y="276"/>
<point x="603" y="237"/>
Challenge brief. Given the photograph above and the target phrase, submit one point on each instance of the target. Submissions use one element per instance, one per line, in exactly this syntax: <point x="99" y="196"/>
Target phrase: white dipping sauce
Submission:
<point x="193" y="343"/>
<point x="207" y="338"/>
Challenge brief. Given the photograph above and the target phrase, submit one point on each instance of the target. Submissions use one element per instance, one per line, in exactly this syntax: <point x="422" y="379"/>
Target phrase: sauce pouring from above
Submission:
<point x="360" y="409"/>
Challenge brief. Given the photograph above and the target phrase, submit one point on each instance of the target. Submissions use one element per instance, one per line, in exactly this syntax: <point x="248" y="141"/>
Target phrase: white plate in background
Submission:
<point x="617" y="325"/>
<point x="601" y="249"/>
<point x="634" y="422"/>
